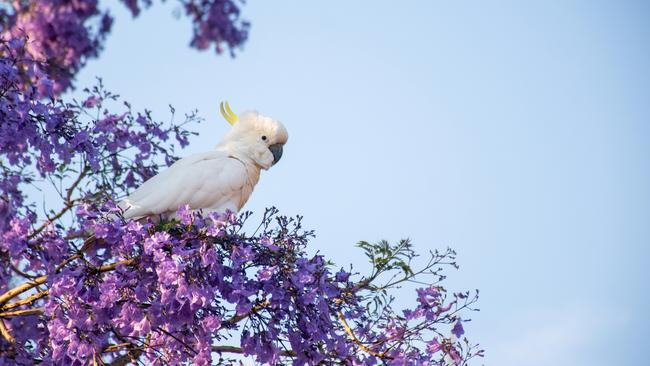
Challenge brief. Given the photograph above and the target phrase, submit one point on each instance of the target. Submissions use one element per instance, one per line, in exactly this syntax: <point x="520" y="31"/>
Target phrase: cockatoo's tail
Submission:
<point x="218" y="180"/>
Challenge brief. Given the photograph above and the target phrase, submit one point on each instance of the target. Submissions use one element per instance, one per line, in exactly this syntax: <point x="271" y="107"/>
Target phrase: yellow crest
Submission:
<point x="227" y="113"/>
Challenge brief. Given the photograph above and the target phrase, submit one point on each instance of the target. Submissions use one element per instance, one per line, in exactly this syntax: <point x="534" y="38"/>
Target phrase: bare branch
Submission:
<point x="21" y="288"/>
<point x="116" y="347"/>
<point x="237" y="318"/>
<point x="27" y="301"/>
<point x="4" y="331"/>
<point x="239" y="350"/>
<point x="37" y="311"/>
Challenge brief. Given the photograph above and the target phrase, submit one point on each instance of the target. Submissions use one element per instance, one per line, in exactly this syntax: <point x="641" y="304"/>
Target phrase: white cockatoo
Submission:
<point x="214" y="181"/>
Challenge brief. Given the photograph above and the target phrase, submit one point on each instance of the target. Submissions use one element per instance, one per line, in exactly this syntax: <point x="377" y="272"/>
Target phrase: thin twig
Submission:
<point x="19" y="272"/>
<point x="132" y="355"/>
<point x="74" y="185"/>
<point x="239" y="350"/>
<point x="178" y="340"/>
<point x="50" y="220"/>
<point x="237" y="318"/>
<point x="68" y="204"/>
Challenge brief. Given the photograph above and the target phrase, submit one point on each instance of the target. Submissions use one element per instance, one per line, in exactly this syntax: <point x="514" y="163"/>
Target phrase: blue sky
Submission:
<point x="515" y="132"/>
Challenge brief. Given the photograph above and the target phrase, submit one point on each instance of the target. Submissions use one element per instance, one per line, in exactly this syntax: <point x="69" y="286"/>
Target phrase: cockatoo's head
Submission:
<point x="257" y="137"/>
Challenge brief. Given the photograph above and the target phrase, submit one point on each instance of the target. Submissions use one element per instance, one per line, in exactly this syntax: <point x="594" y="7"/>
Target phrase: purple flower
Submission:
<point x="267" y="242"/>
<point x="434" y="346"/>
<point x="243" y="306"/>
<point x="265" y="273"/>
<point x="218" y="222"/>
<point x="211" y="323"/>
<point x="101" y="230"/>
<point x="342" y="276"/>
<point x="458" y="330"/>
<point x="157" y="241"/>
<point x="168" y="272"/>
<point x="91" y="101"/>
<point x="428" y="296"/>
<point x="241" y="254"/>
<point x="185" y="214"/>
<point x="304" y="277"/>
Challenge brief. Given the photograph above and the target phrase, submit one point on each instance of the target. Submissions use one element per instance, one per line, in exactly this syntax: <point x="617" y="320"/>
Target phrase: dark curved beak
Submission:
<point x="276" y="150"/>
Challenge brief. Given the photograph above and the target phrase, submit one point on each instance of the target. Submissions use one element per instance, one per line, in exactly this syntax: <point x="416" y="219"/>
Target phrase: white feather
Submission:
<point x="211" y="181"/>
<point x="218" y="180"/>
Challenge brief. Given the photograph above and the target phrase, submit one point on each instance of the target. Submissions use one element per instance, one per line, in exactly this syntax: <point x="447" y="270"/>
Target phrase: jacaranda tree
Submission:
<point x="80" y="285"/>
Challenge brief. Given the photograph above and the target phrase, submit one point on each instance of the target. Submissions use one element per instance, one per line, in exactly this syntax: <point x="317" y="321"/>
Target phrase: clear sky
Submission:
<point x="516" y="132"/>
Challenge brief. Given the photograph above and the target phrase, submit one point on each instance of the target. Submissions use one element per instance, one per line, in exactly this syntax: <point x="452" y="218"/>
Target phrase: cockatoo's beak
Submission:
<point x="276" y="150"/>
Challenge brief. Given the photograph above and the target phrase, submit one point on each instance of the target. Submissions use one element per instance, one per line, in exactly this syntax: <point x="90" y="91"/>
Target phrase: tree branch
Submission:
<point x="116" y="347"/>
<point x="237" y="318"/>
<point x="178" y="340"/>
<point x="74" y="185"/>
<point x="19" y="272"/>
<point x="50" y="220"/>
<point x="37" y="311"/>
<point x="26" y="301"/>
<point x="5" y="333"/>
<point x="133" y="353"/>
<point x="239" y="350"/>
<point x="356" y="340"/>
<point x="21" y="288"/>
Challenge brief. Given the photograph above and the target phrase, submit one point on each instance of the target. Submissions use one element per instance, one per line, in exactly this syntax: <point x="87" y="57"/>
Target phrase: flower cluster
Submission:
<point x="216" y="22"/>
<point x="97" y="153"/>
<point x="177" y="291"/>
<point x="62" y="35"/>
<point x="80" y="285"/>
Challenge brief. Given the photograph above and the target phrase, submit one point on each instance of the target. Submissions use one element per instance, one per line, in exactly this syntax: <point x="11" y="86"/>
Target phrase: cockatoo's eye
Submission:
<point x="263" y="138"/>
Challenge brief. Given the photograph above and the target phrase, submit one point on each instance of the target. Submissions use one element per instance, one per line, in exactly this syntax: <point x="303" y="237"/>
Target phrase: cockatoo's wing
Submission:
<point x="211" y="181"/>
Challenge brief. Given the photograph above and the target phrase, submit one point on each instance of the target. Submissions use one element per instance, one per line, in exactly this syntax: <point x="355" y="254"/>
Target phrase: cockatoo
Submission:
<point x="214" y="181"/>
